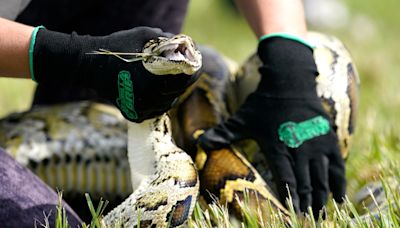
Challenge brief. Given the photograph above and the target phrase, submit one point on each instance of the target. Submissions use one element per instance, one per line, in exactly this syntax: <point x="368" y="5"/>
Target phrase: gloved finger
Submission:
<point x="337" y="175"/>
<point x="131" y="37"/>
<point x="167" y="34"/>
<point x="223" y="134"/>
<point x="319" y="181"/>
<point x="282" y="169"/>
<point x="152" y="32"/>
<point x="302" y="172"/>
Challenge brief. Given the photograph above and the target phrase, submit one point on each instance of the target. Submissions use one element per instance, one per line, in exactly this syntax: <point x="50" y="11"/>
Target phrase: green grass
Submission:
<point x="62" y="219"/>
<point x="344" y="215"/>
<point x="15" y="95"/>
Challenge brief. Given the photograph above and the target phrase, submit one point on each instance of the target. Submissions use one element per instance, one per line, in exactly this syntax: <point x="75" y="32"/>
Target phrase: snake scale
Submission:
<point x="82" y="146"/>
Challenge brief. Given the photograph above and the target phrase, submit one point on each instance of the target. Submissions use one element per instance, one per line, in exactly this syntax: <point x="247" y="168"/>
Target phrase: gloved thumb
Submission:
<point x="223" y="134"/>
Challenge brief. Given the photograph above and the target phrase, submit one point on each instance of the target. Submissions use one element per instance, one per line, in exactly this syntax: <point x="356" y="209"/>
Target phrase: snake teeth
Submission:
<point x="178" y="53"/>
<point x="174" y="55"/>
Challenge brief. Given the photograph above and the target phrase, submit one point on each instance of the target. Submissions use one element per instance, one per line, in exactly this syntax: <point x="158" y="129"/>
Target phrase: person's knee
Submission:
<point x="24" y="198"/>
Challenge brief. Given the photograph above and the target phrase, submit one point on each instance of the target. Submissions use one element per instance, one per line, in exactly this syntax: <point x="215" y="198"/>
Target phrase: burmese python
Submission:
<point x="81" y="147"/>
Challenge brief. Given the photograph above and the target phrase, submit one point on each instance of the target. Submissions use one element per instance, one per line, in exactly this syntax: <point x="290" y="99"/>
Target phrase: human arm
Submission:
<point x="14" y="48"/>
<point x="272" y="16"/>
<point x="64" y="60"/>
<point x="286" y="93"/>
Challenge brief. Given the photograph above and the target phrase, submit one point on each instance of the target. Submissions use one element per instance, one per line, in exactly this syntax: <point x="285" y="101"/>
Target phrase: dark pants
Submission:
<point x="25" y="199"/>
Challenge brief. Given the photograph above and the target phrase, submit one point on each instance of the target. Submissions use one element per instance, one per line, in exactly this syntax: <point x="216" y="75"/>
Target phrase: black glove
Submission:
<point x="286" y="118"/>
<point x="63" y="60"/>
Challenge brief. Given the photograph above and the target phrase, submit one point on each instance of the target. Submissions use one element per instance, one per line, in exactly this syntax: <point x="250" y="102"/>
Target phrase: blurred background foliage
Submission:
<point x="370" y="29"/>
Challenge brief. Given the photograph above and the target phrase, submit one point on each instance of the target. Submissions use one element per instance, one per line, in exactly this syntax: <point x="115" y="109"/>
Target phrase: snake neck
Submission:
<point x="147" y="141"/>
<point x="164" y="178"/>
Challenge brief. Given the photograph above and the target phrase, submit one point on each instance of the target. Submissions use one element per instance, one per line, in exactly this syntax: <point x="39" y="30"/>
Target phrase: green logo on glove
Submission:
<point x="294" y="134"/>
<point x="126" y="98"/>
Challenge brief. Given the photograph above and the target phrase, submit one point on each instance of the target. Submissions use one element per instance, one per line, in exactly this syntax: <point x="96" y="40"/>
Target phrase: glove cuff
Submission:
<point x="287" y="36"/>
<point x="31" y="47"/>
<point x="288" y="69"/>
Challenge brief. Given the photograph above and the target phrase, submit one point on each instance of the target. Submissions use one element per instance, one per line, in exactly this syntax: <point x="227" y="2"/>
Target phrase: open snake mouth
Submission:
<point x="164" y="56"/>
<point x="179" y="53"/>
<point x="174" y="55"/>
<point x="179" y="48"/>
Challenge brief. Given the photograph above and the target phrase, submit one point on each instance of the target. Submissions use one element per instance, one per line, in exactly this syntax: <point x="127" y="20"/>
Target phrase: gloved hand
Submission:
<point x="286" y="118"/>
<point x="59" y="60"/>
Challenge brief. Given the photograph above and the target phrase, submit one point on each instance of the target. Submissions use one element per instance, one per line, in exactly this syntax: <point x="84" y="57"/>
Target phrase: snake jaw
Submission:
<point x="164" y="56"/>
<point x="174" y="55"/>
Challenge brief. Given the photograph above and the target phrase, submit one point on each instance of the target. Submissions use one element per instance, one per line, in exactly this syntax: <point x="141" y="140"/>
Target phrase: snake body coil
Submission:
<point x="164" y="179"/>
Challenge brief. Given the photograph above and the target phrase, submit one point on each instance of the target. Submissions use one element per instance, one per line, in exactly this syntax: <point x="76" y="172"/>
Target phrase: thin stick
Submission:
<point x="141" y="56"/>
